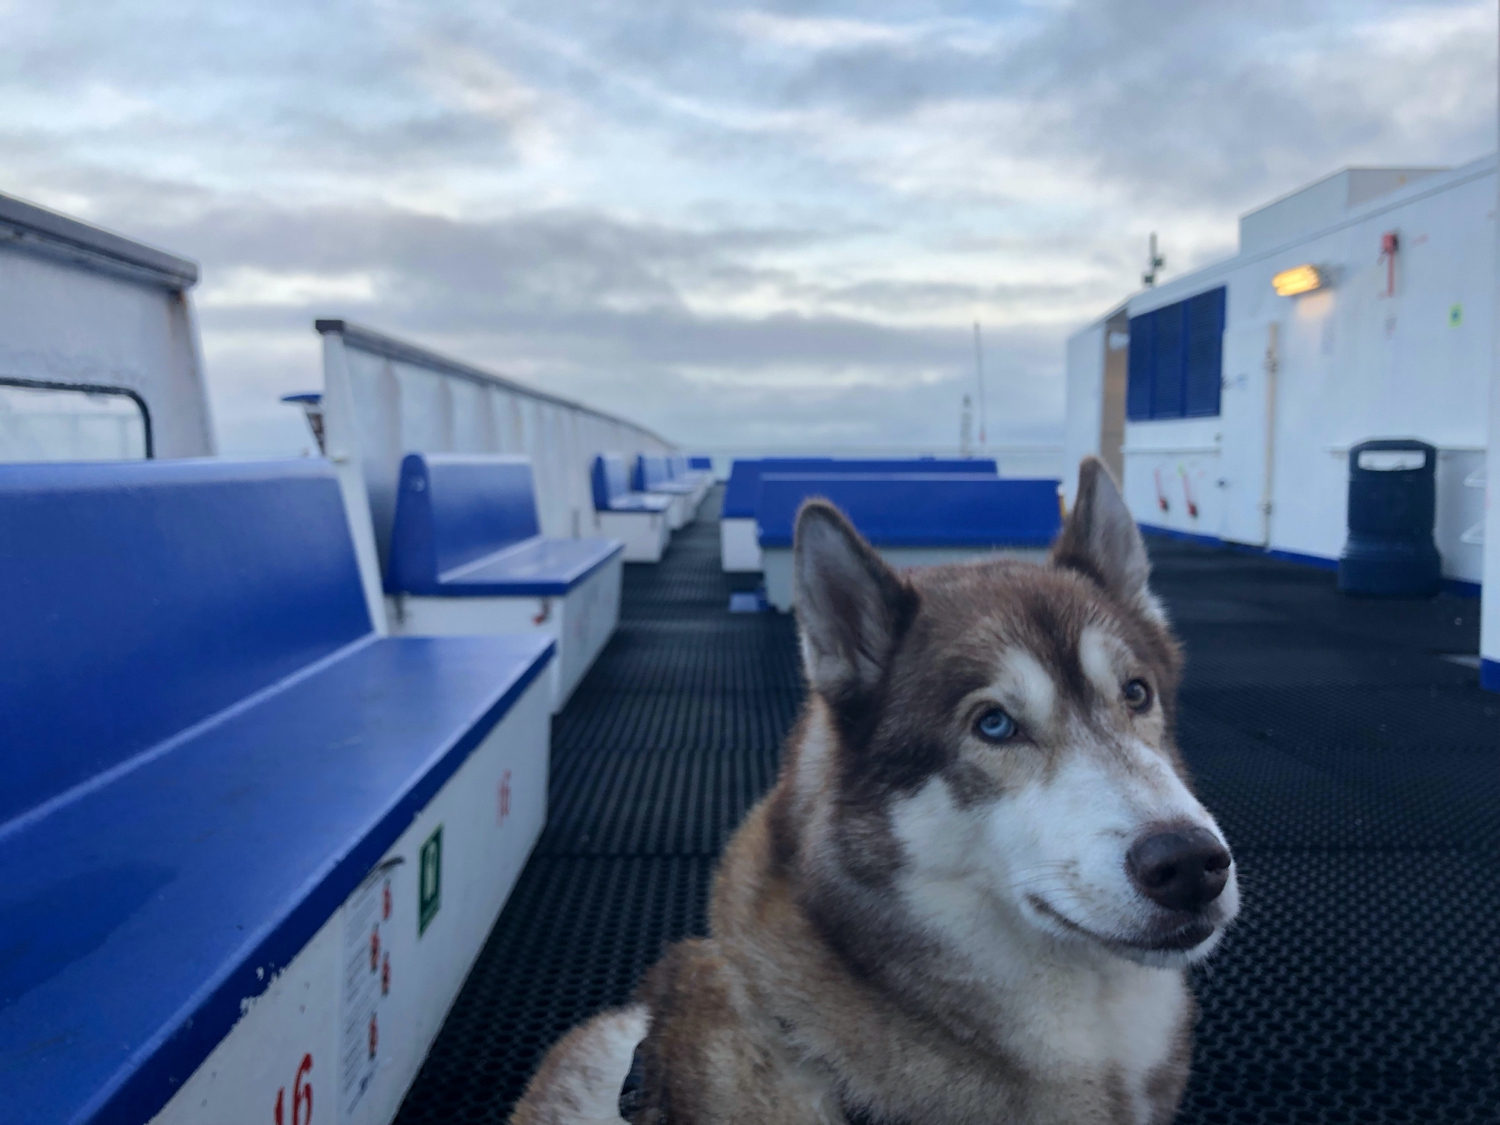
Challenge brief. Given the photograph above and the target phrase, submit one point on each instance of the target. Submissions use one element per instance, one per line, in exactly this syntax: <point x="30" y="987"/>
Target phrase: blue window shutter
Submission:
<point x="1140" y="367"/>
<point x="1166" y="398"/>
<point x="1205" y="353"/>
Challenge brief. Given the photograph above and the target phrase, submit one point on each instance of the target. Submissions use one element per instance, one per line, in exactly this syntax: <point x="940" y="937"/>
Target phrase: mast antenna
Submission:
<point x="1154" y="262"/>
<point x="979" y="374"/>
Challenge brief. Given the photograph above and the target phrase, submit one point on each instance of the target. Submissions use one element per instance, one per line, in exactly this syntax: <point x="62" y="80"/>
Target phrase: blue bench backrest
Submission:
<point x="650" y="471"/>
<point x="142" y="598"/>
<point x="453" y="508"/>
<point x="701" y="464"/>
<point x="743" y="489"/>
<point x="610" y="480"/>
<point x="928" y="510"/>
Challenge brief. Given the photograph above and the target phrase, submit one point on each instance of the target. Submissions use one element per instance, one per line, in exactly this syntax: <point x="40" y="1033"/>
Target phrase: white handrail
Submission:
<point x="384" y="398"/>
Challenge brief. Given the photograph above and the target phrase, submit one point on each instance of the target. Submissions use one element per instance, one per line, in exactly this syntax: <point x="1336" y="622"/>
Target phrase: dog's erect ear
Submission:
<point x="1102" y="541"/>
<point x="851" y="607"/>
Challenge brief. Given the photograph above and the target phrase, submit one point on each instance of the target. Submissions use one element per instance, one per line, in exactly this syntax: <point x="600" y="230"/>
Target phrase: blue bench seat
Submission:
<point x="913" y="519"/>
<point x="652" y="474"/>
<point x="739" y="544"/>
<point x="681" y="469"/>
<point x="643" y="521"/>
<point x="207" y="751"/>
<point x="466" y="557"/>
<point x="540" y="568"/>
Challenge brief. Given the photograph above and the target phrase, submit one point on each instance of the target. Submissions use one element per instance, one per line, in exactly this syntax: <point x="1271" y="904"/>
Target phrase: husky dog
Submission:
<point x="973" y="892"/>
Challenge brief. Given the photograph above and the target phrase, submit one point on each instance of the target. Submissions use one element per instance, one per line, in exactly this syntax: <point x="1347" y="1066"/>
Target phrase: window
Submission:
<point x="41" y="420"/>
<point x="1177" y="359"/>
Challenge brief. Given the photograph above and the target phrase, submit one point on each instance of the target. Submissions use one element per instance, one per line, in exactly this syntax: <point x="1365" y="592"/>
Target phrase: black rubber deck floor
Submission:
<point x="1355" y="771"/>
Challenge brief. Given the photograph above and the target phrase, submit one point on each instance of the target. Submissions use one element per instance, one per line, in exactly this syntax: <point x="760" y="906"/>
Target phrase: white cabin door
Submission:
<point x="1247" y="413"/>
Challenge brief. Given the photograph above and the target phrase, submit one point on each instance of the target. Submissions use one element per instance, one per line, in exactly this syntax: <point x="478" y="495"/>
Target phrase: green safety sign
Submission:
<point x="430" y="880"/>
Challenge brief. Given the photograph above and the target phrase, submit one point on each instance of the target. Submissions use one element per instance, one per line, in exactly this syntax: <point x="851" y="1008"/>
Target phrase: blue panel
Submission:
<point x="137" y="917"/>
<point x="1171" y="362"/>
<point x="1489" y="674"/>
<point x="912" y="510"/>
<point x="614" y="479"/>
<point x="1141" y="369"/>
<point x="743" y="489"/>
<point x="143" y="597"/>
<point x="1205" y="353"/>
<point x="453" y="509"/>
<point x="740" y="490"/>
<point x="702" y="464"/>
<point x="599" y="483"/>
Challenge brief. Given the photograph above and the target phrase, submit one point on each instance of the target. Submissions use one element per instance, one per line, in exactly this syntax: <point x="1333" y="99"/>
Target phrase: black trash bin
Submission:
<point x="1392" y="504"/>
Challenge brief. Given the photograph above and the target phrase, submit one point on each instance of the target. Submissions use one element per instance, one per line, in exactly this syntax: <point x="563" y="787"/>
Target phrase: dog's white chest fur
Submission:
<point x="1123" y="1022"/>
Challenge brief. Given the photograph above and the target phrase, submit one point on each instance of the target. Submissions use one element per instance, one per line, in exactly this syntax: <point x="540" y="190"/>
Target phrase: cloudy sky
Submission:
<point x="744" y="226"/>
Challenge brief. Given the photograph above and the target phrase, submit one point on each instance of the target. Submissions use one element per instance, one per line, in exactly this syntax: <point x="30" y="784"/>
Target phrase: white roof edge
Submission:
<point x="1178" y="287"/>
<point x="1114" y="310"/>
<point x="1429" y="169"/>
<point x="30" y="227"/>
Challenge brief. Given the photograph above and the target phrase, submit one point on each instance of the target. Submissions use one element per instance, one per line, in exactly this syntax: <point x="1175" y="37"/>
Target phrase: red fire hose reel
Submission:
<point x="1389" y="244"/>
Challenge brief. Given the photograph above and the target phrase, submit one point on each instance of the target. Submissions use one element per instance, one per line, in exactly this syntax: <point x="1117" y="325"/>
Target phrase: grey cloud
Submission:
<point x="306" y="110"/>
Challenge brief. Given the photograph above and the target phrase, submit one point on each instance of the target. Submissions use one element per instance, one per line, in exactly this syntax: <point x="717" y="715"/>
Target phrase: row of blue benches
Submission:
<point x="915" y="511"/>
<point x="249" y="843"/>
<point x="642" y="503"/>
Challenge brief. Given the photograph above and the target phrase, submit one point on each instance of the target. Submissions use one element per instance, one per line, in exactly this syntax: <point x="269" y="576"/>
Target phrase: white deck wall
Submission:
<point x="1351" y="364"/>
<point x="82" y="305"/>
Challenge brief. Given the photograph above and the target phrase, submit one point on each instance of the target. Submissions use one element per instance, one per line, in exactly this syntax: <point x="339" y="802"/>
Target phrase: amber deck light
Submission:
<point x="1298" y="279"/>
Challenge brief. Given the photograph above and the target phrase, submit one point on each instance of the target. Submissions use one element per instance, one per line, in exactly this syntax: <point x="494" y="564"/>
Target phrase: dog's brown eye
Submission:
<point x="1137" y="695"/>
<point x="995" y="725"/>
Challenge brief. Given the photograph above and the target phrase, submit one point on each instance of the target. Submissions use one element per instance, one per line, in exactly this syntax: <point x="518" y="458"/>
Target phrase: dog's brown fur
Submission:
<point x="825" y="991"/>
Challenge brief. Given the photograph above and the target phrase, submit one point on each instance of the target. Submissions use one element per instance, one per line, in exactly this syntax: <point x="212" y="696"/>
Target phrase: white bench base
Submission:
<point x="739" y="549"/>
<point x="644" y="534"/>
<point x="581" y="622"/>
<point x="778" y="563"/>
<point x="678" y="512"/>
<point x="306" y="1039"/>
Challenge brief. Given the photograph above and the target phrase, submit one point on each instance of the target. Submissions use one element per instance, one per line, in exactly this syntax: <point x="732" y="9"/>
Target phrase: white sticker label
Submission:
<point x="367" y="981"/>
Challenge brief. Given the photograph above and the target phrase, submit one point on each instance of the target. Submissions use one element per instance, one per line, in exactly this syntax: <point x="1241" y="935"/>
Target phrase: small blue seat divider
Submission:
<point x="917" y="510"/>
<point x="206" y="748"/>
<point x="610" y="480"/>
<point x="467" y="526"/>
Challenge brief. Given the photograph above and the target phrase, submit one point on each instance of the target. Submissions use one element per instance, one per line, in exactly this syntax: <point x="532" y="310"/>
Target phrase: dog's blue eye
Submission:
<point x="995" y="725"/>
<point x="1137" y="695"/>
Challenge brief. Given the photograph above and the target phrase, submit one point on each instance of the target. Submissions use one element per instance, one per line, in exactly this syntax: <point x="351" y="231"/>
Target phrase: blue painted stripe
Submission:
<point x="1489" y="674"/>
<point x="1183" y="536"/>
<point x="1462" y="588"/>
<point x="1458" y="587"/>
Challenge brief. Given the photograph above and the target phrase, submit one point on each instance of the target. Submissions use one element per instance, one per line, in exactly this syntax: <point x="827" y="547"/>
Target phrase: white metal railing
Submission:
<point x="384" y="398"/>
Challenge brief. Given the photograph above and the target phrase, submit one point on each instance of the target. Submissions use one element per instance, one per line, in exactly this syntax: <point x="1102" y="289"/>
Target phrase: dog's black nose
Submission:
<point x="1181" y="869"/>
